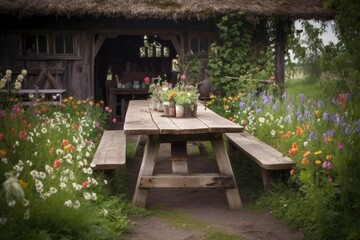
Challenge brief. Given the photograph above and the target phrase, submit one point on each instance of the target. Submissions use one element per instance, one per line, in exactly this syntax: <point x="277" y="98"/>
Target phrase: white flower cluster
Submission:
<point x="7" y="79"/>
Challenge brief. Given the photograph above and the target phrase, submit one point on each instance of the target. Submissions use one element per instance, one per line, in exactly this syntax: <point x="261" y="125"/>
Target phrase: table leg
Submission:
<point x="179" y="157"/>
<point x="146" y="169"/>
<point x="222" y="158"/>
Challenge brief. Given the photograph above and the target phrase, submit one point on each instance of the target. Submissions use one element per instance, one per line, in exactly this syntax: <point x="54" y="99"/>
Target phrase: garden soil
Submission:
<point x="205" y="206"/>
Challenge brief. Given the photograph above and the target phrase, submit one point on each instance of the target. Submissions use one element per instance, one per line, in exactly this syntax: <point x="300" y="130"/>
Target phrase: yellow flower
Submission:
<point x="318" y="162"/>
<point x="226" y="107"/>
<point x="307" y="153"/>
<point x="78" y="102"/>
<point x="304" y="161"/>
<point x="318" y="152"/>
<point x="91" y="103"/>
<point x="328" y="157"/>
<point x="23" y="184"/>
<point x="71" y="98"/>
<point x="2" y="153"/>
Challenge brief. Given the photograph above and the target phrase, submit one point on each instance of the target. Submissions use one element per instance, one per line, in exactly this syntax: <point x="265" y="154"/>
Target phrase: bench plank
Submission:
<point x="264" y="155"/>
<point x="111" y="152"/>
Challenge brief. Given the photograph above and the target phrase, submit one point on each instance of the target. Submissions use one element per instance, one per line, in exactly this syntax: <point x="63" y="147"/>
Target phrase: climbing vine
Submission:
<point x="240" y="56"/>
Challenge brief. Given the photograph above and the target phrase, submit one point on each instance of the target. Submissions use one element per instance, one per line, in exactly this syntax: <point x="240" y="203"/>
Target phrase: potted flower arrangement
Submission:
<point x="186" y="98"/>
<point x="154" y="88"/>
<point x="167" y="98"/>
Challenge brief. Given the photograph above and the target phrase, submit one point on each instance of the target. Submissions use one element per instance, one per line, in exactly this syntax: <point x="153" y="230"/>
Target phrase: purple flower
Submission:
<point x="283" y="95"/>
<point x="275" y="108"/>
<point x="320" y="103"/>
<point x="348" y="130"/>
<point x="287" y="118"/>
<point x="242" y="105"/>
<point x="357" y="128"/>
<point x="330" y="133"/>
<point x="289" y="107"/>
<point x="302" y="97"/>
<point x="312" y="136"/>
<point x="326" y="116"/>
<point x="258" y="111"/>
<point x="307" y="113"/>
<point x="254" y="103"/>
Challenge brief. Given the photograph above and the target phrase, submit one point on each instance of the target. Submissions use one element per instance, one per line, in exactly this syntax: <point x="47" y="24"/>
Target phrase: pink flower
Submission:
<point x="2" y="136"/>
<point x="65" y="142"/>
<point x="57" y="163"/>
<point x="107" y="109"/>
<point x="340" y="145"/>
<point x="146" y="80"/>
<point x="114" y="120"/>
<point x="183" y="77"/>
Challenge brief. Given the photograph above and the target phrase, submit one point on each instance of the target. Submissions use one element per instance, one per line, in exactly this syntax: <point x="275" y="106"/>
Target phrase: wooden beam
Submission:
<point x="200" y="180"/>
<point x="175" y="42"/>
<point x="99" y="42"/>
<point x="282" y="28"/>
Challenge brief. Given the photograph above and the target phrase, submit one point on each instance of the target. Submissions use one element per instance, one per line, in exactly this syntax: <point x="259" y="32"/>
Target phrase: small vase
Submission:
<point x="187" y="112"/>
<point x="179" y="109"/>
<point x="159" y="106"/>
<point x="166" y="106"/>
<point x="154" y="104"/>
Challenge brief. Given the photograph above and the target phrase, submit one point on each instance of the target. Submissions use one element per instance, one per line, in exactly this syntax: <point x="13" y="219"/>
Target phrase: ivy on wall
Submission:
<point x="241" y="55"/>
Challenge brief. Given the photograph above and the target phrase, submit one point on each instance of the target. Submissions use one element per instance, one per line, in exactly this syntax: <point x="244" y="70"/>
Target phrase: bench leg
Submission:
<point x="146" y="169"/>
<point x="222" y="158"/>
<point x="265" y="175"/>
<point x="109" y="174"/>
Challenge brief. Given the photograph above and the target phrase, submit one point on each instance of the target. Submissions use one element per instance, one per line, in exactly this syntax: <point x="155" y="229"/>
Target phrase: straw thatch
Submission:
<point x="165" y="9"/>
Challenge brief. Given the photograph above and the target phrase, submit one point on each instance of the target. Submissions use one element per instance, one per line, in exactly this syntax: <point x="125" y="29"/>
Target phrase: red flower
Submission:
<point x="23" y="135"/>
<point x="57" y="163"/>
<point x="65" y="142"/>
<point x="85" y="184"/>
<point x="183" y="77"/>
<point x="146" y="80"/>
<point x="292" y="171"/>
<point x="2" y="136"/>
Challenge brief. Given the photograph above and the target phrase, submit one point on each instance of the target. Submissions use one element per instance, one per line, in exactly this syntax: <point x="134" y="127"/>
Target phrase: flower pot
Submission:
<point x="179" y="110"/>
<point x="194" y="111"/>
<point x="154" y="104"/>
<point x="159" y="106"/>
<point x="187" y="112"/>
<point x="166" y="106"/>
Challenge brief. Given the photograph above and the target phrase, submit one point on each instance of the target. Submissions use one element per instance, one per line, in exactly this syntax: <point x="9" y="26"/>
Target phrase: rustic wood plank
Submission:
<point x="190" y="125"/>
<point x="215" y="122"/>
<point x="200" y="180"/>
<point x="165" y="124"/>
<point x="147" y="168"/>
<point x="223" y="161"/>
<point x="263" y="154"/>
<point x="111" y="152"/>
<point x="138" y="119"/>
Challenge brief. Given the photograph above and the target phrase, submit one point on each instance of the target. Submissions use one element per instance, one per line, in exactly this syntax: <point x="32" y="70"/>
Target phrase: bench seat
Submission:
<point x="267" y="157"/>
<point x="110" y="154"/>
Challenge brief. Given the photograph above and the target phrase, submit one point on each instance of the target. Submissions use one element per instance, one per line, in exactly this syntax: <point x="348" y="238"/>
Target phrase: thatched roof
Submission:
<point x="165" y="9"/>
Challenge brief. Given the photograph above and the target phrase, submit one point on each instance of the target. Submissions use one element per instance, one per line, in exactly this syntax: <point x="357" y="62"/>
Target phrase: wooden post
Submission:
<point x="282" y="27"/>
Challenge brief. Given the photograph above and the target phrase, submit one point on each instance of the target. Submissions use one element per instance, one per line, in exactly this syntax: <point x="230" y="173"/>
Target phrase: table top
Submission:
<point x="140" y="120"/>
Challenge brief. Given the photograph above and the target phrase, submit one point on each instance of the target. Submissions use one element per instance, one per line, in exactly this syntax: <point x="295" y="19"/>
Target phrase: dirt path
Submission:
<point x="200" y="213"/>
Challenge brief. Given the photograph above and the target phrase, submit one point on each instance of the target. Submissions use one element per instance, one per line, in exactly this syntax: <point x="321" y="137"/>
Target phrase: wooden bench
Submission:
<point x="268" y="158"/>
<point x="110" y="154"/>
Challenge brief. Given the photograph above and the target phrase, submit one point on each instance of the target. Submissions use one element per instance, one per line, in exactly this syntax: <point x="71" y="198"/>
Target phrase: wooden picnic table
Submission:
<point x="207" y="126"/>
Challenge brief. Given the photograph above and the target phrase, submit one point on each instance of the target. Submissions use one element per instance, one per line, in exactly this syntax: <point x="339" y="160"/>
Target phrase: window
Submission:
<point x="64" y="44"/>
<point x="199" y="45"/>
<point x="37" y="44"/>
